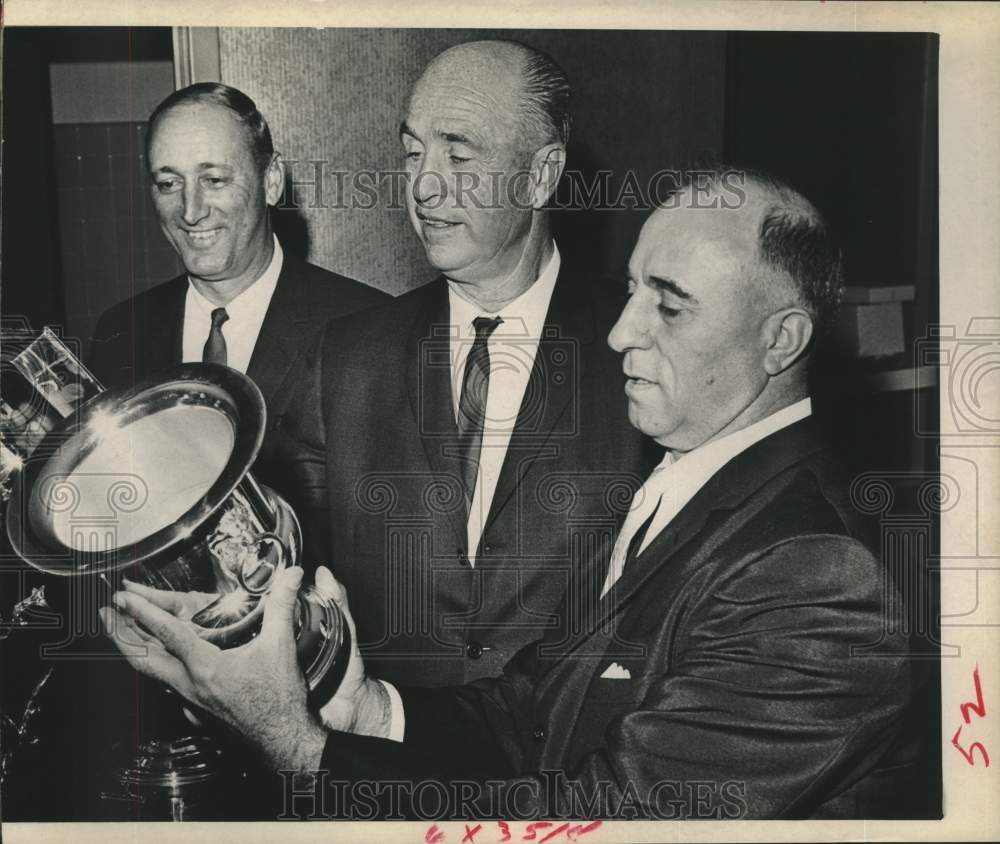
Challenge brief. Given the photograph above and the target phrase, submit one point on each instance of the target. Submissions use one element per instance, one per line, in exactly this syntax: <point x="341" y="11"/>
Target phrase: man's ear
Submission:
<point x="274" y="179"/>
<point x="546" y="167"/>
<point x="787" y="334"/>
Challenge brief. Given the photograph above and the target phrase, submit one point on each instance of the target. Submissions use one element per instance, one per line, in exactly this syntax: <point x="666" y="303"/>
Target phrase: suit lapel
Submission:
<point x="552" y="387"/>
<point x="429" y="388"/>
<point x="278" y="343"/>
<point x="730" y="487"/>
<point x="162" y="343"/>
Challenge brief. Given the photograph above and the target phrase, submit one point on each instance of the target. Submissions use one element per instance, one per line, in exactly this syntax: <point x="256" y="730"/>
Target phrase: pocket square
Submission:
<point x="616" y="672"/>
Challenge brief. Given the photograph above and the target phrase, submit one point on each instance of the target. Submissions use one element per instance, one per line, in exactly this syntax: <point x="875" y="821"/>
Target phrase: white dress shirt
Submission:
<point x="246" y="316"/>
<point x="677" y="479"/>
<point x="512" y="348"/>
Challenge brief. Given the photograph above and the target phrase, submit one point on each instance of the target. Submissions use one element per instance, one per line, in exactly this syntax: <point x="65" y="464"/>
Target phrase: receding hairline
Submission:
<point x="240" y="107"/>
<point x="482" y="56"/>
<point x="766" y="194"/>
<point x="486" y="49"/>
<point x="769" y="200"/>
<point x="191" y="105"/>
<point x="754" y="274"/>
<point x="767" y="281"/>
<point x="508" y="65"/>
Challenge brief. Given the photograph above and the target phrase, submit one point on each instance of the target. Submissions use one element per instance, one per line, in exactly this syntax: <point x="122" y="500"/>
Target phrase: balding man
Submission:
<point x="467" y="442"/>
<point x="721" y="672"/>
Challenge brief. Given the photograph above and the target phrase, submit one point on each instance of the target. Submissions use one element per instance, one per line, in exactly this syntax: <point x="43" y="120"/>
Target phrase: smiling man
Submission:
<point x="724" y="669"/>
<point x="214" y="176"/>
<point x="208" y="183"/>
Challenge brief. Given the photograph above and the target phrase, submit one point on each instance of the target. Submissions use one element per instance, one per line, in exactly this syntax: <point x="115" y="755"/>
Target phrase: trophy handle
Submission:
<point x="256" y="580"/>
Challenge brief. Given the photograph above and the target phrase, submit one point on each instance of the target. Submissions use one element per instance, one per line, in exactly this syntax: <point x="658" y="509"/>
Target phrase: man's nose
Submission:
<point x="195" y="207"/>
<point x="630" y="331"/>
<point x="428" y="185"/>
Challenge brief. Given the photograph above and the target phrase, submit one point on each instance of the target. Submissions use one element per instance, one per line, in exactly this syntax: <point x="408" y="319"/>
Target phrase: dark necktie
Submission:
<point x="215" y="345"/>
<point x="472" y="403"/>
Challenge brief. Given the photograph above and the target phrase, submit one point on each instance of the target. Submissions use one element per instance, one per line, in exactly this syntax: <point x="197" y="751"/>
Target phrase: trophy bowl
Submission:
<point x="153" y="481"/>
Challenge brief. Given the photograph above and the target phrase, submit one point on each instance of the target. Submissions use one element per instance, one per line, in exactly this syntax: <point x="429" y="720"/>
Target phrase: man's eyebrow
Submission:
<point x="450" y="137"/>
<point x="458" y="138"/>
<point x="671" y="286"/>
<point x="204" y="165"/>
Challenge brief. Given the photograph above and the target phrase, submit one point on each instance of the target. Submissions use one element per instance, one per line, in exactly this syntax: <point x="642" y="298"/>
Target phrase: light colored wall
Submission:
<point x="645" y="101"/>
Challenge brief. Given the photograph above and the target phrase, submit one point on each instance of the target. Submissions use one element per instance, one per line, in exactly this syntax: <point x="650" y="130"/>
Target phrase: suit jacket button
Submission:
<point x="473" y="650"/>
<point x="539" y="734"/>
<point x="463" y="560"/>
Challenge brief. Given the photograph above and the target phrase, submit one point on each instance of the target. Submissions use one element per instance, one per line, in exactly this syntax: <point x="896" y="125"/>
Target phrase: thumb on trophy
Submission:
<point x="279" y="613"/>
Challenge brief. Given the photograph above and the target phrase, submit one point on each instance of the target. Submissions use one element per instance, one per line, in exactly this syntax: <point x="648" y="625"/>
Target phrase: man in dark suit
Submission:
<point x="457" y="450"/>
<point x="243" y="302"/>
<point x="726" y="667"/>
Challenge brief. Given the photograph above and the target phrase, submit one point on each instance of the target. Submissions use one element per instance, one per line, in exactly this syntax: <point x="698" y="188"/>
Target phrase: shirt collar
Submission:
<point x="714" y="454"/>
<point x="523" y="316"/>
<point x="255" y="298"/>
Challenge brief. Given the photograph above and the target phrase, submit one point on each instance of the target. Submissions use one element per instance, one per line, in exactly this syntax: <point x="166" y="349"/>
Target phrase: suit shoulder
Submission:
<point x="371" y="345"/>
<point x="390" y="319"/>
<point x="336" y="292"/>
<point x="150" y="300"/>
<point x="809" y="517"/>
<point x="808" y="500"/>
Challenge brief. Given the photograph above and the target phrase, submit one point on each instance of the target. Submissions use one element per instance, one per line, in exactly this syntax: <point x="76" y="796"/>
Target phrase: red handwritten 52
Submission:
<point x="979" y="707"/>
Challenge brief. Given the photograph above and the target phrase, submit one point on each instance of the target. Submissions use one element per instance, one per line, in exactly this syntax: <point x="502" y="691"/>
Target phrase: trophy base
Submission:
<point x="182" y="779"/>
<point x="191" y="777"/>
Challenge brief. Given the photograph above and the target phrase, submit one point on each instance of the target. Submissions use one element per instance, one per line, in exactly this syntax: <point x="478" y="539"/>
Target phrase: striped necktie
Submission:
<point x="472" y="402"/>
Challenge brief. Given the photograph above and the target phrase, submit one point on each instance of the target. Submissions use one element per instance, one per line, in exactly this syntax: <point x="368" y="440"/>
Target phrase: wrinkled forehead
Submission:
<point x="690" y="226"/>
<point x="468" y="89"/>
<point x="704" y="249"/>
<point x="202" y="129"/>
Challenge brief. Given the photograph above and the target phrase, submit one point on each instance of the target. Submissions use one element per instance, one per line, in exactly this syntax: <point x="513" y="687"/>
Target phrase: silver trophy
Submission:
<point x="154" y="481"/>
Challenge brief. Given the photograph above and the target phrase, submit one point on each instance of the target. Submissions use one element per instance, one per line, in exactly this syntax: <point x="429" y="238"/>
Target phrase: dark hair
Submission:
<point x="804" y="248"/>
<point x="547" y="95"/>
<point x="793" y="239"/>
<point x="239" y="104"/>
